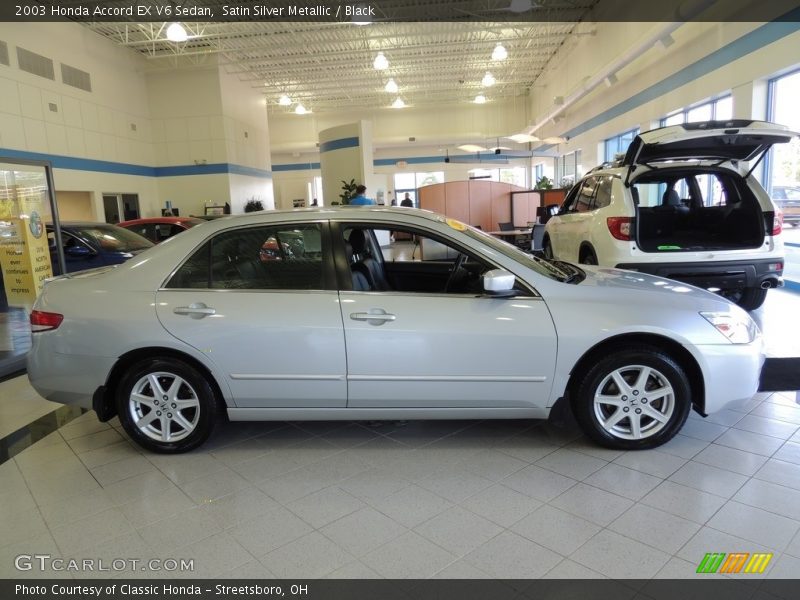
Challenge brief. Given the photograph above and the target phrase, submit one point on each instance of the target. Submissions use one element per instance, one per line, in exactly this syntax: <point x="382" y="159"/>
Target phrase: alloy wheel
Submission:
<point x="164" y="406"/>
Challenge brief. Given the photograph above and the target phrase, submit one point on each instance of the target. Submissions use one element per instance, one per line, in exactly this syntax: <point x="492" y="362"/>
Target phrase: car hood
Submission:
<point x="662" y="290"/>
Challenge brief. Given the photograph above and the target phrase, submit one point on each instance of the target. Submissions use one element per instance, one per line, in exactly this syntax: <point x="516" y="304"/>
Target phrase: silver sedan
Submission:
<point x="379" y="313"/>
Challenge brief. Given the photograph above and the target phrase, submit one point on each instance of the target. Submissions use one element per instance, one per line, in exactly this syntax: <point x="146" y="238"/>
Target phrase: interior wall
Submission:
<point x="75" y="206"/>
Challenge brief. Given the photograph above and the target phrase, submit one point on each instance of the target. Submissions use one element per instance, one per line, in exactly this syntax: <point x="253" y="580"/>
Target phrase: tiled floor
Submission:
<point x="516" y="499"/>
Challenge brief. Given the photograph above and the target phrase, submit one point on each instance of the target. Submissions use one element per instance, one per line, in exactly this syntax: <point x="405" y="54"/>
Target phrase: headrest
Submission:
<point x="358" y="241"/>
<point x="671" y="198"/>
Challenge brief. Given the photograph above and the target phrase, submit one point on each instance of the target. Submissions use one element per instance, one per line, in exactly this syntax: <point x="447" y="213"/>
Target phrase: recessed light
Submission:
<point x="285" y="100"/>
<point x="480" y="99"/>
<point x="300" y="109"/>
<point x="398" y="103"/>
<point x="391" y="86"/>
<point x="488" y="80"/>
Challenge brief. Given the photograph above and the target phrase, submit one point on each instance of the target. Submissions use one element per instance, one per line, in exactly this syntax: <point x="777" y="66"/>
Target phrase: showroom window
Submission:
<point x="569" y="169"/>
<point x="719" y="110"/>
<point x="407" y="183"/>
<point x="514" y="175"/>
<point x="783" y="162"/>
<point x="618" y="144"/>
<point x="279" y="257"/>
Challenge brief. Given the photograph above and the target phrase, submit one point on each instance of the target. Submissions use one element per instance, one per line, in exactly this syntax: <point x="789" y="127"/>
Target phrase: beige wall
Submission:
<point x="75" y="206"/>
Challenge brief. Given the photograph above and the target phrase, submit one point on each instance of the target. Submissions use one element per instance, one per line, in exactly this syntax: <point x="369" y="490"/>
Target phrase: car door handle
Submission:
<point x="378" y="317"/>
<point x="196" y="310"/>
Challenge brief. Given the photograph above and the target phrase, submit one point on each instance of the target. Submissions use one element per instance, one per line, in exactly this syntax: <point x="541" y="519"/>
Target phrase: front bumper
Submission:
<point x="731" y="372"/>
<point x="727" y="275"/>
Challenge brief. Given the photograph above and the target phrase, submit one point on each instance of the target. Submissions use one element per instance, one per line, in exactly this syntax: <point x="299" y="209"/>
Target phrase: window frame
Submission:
<point x="329" y="278"/>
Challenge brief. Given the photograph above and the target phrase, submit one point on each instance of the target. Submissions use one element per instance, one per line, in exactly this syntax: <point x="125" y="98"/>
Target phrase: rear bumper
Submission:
<point x="65" y="378"/>
<point x="725" y="275"/>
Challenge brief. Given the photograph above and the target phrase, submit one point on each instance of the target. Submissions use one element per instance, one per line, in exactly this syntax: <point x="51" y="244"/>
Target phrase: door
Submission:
<point x="261" y="303"/>
<point x="573" y="223"/>
<point x="434" y="340"/>
<point x="78" y="255"/>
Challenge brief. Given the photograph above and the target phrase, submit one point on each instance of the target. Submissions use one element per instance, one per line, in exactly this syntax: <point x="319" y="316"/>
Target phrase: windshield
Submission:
<point x="553" y="269"/>
<point x="116" y="239"/>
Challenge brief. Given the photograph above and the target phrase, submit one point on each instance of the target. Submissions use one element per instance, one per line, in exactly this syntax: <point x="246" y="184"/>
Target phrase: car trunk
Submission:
<point x="697" y="209"/>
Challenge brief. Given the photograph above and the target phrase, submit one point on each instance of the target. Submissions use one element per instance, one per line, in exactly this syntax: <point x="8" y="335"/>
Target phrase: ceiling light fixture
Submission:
<point x="177" y="33"/>
<point x="398" y="103"/>
<point x="480" y="99"/>
<point x="285" y="100"/>
<point x="471" y="148"/>
<point x="523" y="138"/>
<point x="391" y="87"/>
<point x="488" y="80"/>
<point x="300" y="110"/>
<point x="381" y="62"/>
<point x="499" y="52"/>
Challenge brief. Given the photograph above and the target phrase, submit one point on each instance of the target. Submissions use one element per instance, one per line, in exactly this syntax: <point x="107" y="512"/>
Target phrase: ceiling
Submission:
<point x="329" y="65"/>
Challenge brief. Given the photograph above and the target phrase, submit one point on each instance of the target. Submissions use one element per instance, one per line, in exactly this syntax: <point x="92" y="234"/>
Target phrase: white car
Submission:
<point x="683" y="204"/>
<point x="318" y="315"/>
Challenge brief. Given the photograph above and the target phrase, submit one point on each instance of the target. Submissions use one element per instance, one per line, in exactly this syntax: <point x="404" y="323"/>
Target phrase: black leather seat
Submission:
<point x="359" y="277"/>
<point x="366" y="263"/>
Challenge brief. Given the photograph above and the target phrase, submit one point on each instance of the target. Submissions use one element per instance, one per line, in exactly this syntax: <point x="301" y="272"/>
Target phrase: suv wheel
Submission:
<point x="588" y="257"/>
<point x="165" y="405"/>
<point x="547" y="249"/>
<point x="635" y="398"/>
<point x="748" y="298"/>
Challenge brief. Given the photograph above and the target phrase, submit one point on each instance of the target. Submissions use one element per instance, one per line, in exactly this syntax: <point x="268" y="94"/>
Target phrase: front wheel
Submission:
<point x="166" y="405"/>
<point x="749" y="298"/>
<point x="635" y="398"/>
<point x="547" y="249"/>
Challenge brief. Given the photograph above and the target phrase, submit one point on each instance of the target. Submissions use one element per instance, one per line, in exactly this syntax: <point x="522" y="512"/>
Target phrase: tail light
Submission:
<point x="777" y="222"/>
<point x="44" y="321"/>
<point x="620" y="227"/>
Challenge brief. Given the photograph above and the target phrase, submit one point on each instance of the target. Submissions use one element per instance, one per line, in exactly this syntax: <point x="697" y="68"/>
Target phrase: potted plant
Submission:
<point x="348" y="191"/>
<point x="544" y="183"/>
<point x="253" y="205"/>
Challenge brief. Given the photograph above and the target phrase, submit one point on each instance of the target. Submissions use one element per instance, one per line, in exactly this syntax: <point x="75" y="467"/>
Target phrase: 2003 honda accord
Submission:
<point x="321" y="314"/>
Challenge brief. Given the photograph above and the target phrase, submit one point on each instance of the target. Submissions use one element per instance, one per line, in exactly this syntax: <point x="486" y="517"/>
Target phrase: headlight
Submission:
<point x="738" y="329"/>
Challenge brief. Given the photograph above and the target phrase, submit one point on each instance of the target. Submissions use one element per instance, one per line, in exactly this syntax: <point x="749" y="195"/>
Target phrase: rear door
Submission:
<point x="261" y="302"/>
<point x="573" y="223"/>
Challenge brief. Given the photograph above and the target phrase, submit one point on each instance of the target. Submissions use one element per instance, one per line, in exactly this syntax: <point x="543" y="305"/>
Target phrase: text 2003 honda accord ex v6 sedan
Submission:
<point x="321" y="314"/>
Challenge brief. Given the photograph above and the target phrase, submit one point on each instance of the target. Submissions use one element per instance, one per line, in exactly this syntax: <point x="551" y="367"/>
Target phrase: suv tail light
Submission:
<point x="44" y="321"/>
<point x="620" y="227"/>
<point x="777" y="222"/>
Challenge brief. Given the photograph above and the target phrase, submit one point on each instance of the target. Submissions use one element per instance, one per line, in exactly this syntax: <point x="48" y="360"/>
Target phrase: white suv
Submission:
<point x="682" y="204"/>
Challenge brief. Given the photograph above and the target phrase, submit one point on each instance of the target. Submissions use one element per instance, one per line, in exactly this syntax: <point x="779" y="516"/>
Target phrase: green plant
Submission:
<point x="348" y="191"/>
<point x="544" y="183"/>
<point x="253" y="205"/>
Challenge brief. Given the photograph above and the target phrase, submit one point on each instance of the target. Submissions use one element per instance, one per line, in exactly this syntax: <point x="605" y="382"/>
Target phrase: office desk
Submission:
<point x="511" y="232"/>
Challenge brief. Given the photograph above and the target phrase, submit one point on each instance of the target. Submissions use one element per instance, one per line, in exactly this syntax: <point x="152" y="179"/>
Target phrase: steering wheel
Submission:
<point x="459" y="262"/>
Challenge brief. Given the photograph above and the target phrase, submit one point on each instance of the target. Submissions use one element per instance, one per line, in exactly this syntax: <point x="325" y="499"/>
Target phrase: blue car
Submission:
<point x="90" y="245"/>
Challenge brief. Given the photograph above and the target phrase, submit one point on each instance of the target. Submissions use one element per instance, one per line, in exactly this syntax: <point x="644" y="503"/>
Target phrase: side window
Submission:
<point x="282" y="257"/>
<point x="584" y="201"/>
<point x="603" y="196"/>
<point x="570" y="200"/>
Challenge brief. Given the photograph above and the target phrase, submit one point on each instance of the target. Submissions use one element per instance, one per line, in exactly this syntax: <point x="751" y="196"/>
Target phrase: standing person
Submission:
<point x="407" y="201"/>
<point x="360" y="199"/>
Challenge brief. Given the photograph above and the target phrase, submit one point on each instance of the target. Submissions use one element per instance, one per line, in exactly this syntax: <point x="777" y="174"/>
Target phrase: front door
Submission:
<point x="431" y="339"/>
<point x="260" y="302"/>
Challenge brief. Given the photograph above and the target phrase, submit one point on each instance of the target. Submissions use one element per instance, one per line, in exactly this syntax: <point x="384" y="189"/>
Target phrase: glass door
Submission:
<point x="26" y="213"/>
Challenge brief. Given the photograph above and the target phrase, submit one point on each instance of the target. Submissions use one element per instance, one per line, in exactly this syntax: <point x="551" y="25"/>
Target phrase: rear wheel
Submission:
<point x="749" y="298"/>
<point x="588" y="257"/>
<point x="547" y="249"/>
<point x="632" y="399"/>
<point x="166" y="405"/>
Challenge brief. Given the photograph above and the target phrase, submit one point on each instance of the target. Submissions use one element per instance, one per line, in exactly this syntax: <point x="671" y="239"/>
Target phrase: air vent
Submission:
<point x="412" y="139"/>
<point x="52" y="106"/>
<point x="76" y="78"/>
<point x="133" y="126"/>
<point x="35" y="63"/>
<point x="4" y="54"/>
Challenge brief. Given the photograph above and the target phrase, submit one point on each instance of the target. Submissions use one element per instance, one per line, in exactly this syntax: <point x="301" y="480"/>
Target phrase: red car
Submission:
<point x="158" y="229"/>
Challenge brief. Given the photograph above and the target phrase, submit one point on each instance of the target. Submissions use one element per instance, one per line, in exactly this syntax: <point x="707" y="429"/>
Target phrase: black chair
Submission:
<point x="506" y="226"/>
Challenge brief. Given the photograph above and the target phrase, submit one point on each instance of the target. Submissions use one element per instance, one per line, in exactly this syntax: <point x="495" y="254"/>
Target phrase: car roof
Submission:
<point x="161" y="220"/>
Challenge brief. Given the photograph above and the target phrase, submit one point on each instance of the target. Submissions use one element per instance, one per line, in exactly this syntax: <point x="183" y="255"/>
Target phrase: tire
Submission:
<point x="748" y="298"/>
<point x="191" y="407"/>
<point x="588" y="257"/>
<point x="547" y="249"/>
<point x="600" y="403"/>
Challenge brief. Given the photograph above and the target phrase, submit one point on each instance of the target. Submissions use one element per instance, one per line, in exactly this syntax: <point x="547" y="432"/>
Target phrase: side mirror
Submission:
<point x="499" y="282"/>
<point x="78" y="251"/>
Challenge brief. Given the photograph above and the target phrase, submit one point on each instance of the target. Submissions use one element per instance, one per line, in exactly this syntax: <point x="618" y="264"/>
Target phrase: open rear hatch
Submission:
<point x="691" y="187"/>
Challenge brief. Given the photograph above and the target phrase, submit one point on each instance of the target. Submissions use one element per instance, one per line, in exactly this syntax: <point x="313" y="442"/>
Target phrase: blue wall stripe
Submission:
<point x="296" y="167"/>
<point x="351" y="142"/>
<point x="104" y="166"/>
<point x="791" y="244"/>
<point x="750" y="42"/>
<point x="791" y="286"/>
